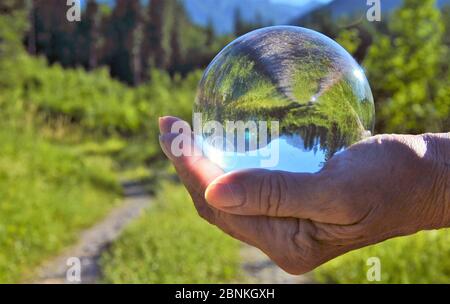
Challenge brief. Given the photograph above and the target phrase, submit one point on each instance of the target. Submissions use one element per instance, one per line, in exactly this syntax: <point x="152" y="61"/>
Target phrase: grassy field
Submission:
<point x="60" y="157"/>
<point x="67" y="135"/>
<point x="184" y="249"/>
<point x="48" y="193"/>
<point x="171" y="244"/>
<point x="420" y="258"/>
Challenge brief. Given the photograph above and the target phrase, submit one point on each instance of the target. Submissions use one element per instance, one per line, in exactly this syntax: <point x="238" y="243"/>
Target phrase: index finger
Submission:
<point x="197" y="172"/>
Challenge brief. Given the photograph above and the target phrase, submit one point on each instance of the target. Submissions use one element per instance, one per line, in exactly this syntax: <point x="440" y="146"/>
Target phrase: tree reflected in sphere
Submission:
<point x="284" y="98"/>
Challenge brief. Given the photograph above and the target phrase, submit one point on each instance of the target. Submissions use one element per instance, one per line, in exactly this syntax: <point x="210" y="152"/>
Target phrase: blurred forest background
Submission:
<point x="79" y="103"/>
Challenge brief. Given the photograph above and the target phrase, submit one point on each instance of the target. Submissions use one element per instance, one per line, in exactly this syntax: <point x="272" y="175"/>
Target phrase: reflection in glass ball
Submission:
<point x="284" y="98"/>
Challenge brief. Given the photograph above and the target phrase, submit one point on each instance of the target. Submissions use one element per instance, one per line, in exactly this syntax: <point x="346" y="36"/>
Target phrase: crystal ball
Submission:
<point x="282" y="98"/>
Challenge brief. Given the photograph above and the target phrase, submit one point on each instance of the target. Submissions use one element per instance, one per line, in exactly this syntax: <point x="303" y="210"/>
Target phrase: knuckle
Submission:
<point x="304" y="248"/>
<point x="272" y="193"/>
<point x="340" y="235"/>
<point x="351" y="212"/>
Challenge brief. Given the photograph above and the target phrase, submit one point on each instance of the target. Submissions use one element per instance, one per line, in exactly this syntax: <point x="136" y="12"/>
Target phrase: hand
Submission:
<point x="385" y="186"/>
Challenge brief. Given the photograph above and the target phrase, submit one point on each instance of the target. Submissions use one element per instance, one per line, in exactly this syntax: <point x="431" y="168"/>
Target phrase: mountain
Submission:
<point x="339" y="8"/>
<point x="222" y="12"/>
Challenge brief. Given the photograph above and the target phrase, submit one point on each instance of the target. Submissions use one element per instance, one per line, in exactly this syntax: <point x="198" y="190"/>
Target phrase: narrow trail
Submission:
<point x="95" y="240"/>
<point x="259" y="269"/>
<point x="256" y="267"/>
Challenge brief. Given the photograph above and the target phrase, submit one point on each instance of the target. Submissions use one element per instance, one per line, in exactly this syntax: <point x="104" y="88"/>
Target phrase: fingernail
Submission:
<point x="225" y="195"/>
<point x="165" y="146"/>
<point x="160" y="119"/>
<point x="161" y="124"/>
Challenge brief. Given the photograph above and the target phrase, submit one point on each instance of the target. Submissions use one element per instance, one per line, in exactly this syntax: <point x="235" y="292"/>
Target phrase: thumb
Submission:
<point x="270" y="193"/>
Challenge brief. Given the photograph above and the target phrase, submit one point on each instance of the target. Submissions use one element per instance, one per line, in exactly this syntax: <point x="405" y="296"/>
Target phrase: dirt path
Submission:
<point x="259" y="269"/>
<point x="96" y="239"/>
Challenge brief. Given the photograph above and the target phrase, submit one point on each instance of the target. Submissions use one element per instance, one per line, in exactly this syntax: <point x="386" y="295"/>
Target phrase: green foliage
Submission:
<point x="93" y="100"/>
<point x="63" y="133"/>
<point x="404" y="70"/>
<point x="242" y="26"/>
<point x="319" y="20"/>
<point x="349" y="39"/>
<point x="94" y="103"/>
<point x="446" y="19"/>
<point x="161" y="96"/>
<point x="131" y="38"/>
<point x="420" y="258"/>
<point x="13" y="24"/>
<point x="171" y="244"/>
<point x="48" y="193"/>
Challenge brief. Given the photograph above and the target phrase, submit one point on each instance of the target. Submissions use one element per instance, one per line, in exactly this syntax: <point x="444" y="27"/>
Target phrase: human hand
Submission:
<point x="382" y="187"/>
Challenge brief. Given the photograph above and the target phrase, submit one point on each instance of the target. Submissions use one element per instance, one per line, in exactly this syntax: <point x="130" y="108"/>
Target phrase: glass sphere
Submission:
<point x="284" y="98"/>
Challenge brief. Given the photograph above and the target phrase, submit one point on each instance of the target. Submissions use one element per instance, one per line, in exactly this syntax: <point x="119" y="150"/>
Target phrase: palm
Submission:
<point x="303" y="220"/>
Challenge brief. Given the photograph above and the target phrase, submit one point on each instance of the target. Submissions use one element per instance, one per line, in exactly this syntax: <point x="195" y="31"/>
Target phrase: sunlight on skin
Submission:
<point x="382" y="187"/>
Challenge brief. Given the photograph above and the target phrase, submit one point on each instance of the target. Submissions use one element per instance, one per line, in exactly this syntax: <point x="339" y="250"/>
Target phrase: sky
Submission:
<point x="299" y="2"/>
<point x="291" y="2"/>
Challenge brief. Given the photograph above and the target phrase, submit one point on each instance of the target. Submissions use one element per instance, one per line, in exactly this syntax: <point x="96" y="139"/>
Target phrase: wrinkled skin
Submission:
<point x="382" y="187"/>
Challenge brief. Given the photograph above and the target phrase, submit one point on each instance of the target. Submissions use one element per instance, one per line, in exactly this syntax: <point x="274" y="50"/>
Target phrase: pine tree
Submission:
<point x="54" y="34"/>
<point x="240" y="27"/>
<point x="446" y="20"/>
<point x="176" y="54"/>
<point x="125" y="40"/>
<point x="31" y="35"/>
<point x="320" y="20"/>
<point x="210" y="35"/>
<point x="89" y="33"/>
<point x="158" y="30"/>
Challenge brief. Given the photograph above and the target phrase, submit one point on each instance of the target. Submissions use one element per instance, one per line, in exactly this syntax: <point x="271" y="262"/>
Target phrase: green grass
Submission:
<point x="48" y="193"/>
<point x="170" y="243"/>
<point x="66" y="135"/>
<point x="419" y="258"/>
<point x="93" y="101"/>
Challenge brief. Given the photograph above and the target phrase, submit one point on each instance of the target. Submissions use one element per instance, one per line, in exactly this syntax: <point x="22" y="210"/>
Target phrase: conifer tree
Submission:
<point x="89" y="36"/>
<point x="125" y="40"/>
<point x="158" y="30"/>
